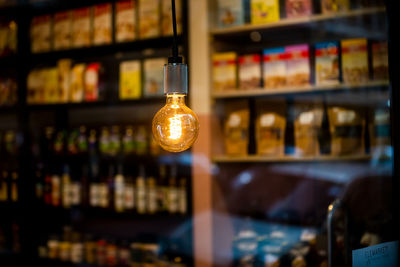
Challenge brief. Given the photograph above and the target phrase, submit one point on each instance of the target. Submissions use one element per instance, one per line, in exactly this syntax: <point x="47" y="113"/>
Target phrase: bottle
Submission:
<point x="162" y="189"/>
<point x="101" y="252"/>
<point x="55" y="190"/>
<point x="75" y="191"/>
<point x="82" y="141"/>
<point x="173" y="199"/>
<point x="129" y="194"/>
<point x="90" y="250"/>
<point x="141" y="191"/>
<point x="66" y="188"/>
<point x="92" y="142"/>
<point x="4" y="187"/>
<point x="48" y="141"/>
<point x="53" y="247"/>
<point x="111" y="254"/>
<point x="77" y="252"/>
<point x="104" y="141"/>
<point x="128" y="142"/>
<point x="73" y="142"/>
<point x="115" y="141"/>
<point x="119" y="185"/>
<point x="104" y="192"/>
<point x="39" y="185"/>
<point x="94" y="193"/>
<point x="47" y="190"/>
<point x="151" y="195"/>
<point x="182" y="195"/>
<point x="14" y="187"/>
<point x="141" y="140"/>
<point x="59" y="143"/>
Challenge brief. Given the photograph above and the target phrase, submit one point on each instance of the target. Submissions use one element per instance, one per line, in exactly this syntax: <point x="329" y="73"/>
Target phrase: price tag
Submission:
<point x="382" y="255"/>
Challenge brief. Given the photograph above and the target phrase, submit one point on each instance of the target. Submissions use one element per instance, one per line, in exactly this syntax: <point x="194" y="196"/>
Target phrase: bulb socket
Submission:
<point x="175" y="79"/>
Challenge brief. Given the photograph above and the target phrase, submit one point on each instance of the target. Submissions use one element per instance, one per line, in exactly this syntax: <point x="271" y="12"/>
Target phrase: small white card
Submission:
<point x="382" y="255"/>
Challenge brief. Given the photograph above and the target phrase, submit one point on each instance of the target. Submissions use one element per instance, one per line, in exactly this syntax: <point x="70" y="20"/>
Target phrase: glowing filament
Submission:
<point x="175" y="127"/>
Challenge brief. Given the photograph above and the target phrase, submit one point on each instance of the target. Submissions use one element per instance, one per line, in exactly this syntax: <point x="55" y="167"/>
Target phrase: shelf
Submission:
<point x="96" y="51"/>
<point x="297" y="21"/>
<point x="105" y="104"/>
<point x="257" y="158"/>
<point x="297" y="90"/>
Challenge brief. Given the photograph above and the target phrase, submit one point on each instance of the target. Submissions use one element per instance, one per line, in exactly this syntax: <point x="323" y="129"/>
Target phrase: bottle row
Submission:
<point x="83" y="82"/>
<point x="10" y="237"/>
<point x="327" y="63"/>
<point x="239" y="12"/>
<point x="107" y="141"/>
<point x="8" y="91"/>
<point x="310" y="128"/>
<point x="78" y="248"/>
<point x="126" y="20"/>
<point x="114" y="190"/>
<point x="8" y="38"/>
<point x="9" y="187"/>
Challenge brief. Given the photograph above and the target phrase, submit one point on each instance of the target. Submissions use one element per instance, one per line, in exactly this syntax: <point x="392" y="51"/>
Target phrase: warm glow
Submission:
<point x="175" y="127"/>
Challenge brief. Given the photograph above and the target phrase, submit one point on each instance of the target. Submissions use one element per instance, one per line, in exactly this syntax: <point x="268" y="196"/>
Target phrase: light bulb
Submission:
<point x="175" y="126"/>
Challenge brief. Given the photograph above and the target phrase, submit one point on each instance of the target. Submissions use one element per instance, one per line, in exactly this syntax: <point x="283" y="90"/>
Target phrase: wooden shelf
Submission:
<point x="297" y="21"/>
<point x="283" y="159"/>
<point x="296" y="90"/>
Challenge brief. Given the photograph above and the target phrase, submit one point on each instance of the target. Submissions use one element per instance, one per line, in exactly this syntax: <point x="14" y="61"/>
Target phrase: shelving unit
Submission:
<point x="300" y="159"/>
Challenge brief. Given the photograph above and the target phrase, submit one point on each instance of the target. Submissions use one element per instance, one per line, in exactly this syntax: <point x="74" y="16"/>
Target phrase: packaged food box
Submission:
<point x="64" y="79"/>
<point x="264" y="11"/>
<point x="298" y="65"/>
<point x="125" y="21"/>
<point x="93" y="82"/>
<point x="334" y="6"/>
<point x="347" y="128"/>
<point x="149" y="18"/>
<point x="154" y="76"/>
<point x="271" y="127"/>
<point x="230" y="12"/>
<point x="275" y="68"/>
<point x="298" y="8"/>
<point x="166" y="19"/>
<point x="77" y="90"/>
<point x="380" y="61"/>
<point x="102" y="24"/>
<point x="250" y="71"/>
<point x="51" y="85"/>
<point x="307" y="127"/>
<point x="8" y="38"/>
<point x="355" y="61"/>
<point x="62" y="30"/>
<point x="130" y="83"/>
<point x="82" y="27"/>
<point x="40" y="33"/>
<point x="224" y="71"/>
<point x="236" y="129"/>
<point x="327" y="63"/>
<point x="380" y="133"/>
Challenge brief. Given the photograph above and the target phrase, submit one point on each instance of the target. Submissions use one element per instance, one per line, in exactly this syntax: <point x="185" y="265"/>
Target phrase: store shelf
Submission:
<point x="100" y="51"/>
<point x="88" y="105"/>
<point x="297" y="90"/>
<point x="257" y="158"/>
<point x="298" y="21"/>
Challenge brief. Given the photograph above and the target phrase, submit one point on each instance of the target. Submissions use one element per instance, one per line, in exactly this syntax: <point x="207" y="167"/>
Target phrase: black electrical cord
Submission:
<point x="175" y="53"/>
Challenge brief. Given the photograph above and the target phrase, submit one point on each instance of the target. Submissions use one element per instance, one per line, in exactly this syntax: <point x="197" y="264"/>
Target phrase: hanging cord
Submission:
<point x="175" y="53"/>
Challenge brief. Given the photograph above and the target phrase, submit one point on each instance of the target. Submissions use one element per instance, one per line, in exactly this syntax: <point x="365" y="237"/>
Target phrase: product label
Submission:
<point x="81" y="27"/>
<point x="224" y="71"/>
<point x="102" y="24"/>
<point x="275" y="68"/>
<point x="327" y="63"/>
<point x="130" y="80"/>
<point x="264" y="11"/>
<point x="62" y="30"/>
<point x="149" y="18"/>
<point x="355" y="61"/>
<point x="125" y="21"/>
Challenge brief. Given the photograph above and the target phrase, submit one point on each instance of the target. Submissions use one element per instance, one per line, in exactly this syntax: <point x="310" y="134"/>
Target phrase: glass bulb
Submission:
<point x="175" y="126"/>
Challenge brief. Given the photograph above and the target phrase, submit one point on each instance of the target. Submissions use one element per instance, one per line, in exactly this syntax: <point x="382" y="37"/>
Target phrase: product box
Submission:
<point x="224" y="71"/>
<point x="298" y="65"/>
<point x="271" y="127"/>
<point x="166" y="19"/>
<point x="355" y="61"/>
<point x="62" y="30"/>
<point x="82" y="27"/>
<point x="347" y="128"/>
<point x="307" y="127"/>
<point x="230" y="13"/>
<point x="298" y="8"/>
<point x="92" y="82"/>
<point x="236" y="129"/>
<point x="64" y="79"/>
<point x="51" y="85"/>
<point x="250" y="71"/>
<point x="327" y="63"/>
<point x="275" y="68"/>
<point x="125" y="21"/>
<point x="154" y="76"/>
<point x="35" y="88"/>
<point x="380" y="61"/>
<point x="334" y="6"/>
<point x="264" y="11"/>
<point x="8" y="38"/>
<point x="130" y="82"/>
<point x="40" y="33"/>
<point x="102" y="24"/>
<point x="77" y="90"/>
<point x="149" y="18"/>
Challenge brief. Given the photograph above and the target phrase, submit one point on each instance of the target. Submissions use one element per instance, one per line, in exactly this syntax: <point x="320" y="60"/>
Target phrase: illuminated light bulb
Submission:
<point x="175" y="126"/>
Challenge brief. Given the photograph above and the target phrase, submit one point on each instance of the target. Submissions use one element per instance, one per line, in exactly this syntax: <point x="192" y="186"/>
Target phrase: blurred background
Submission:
<point x="293" y="166"/>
